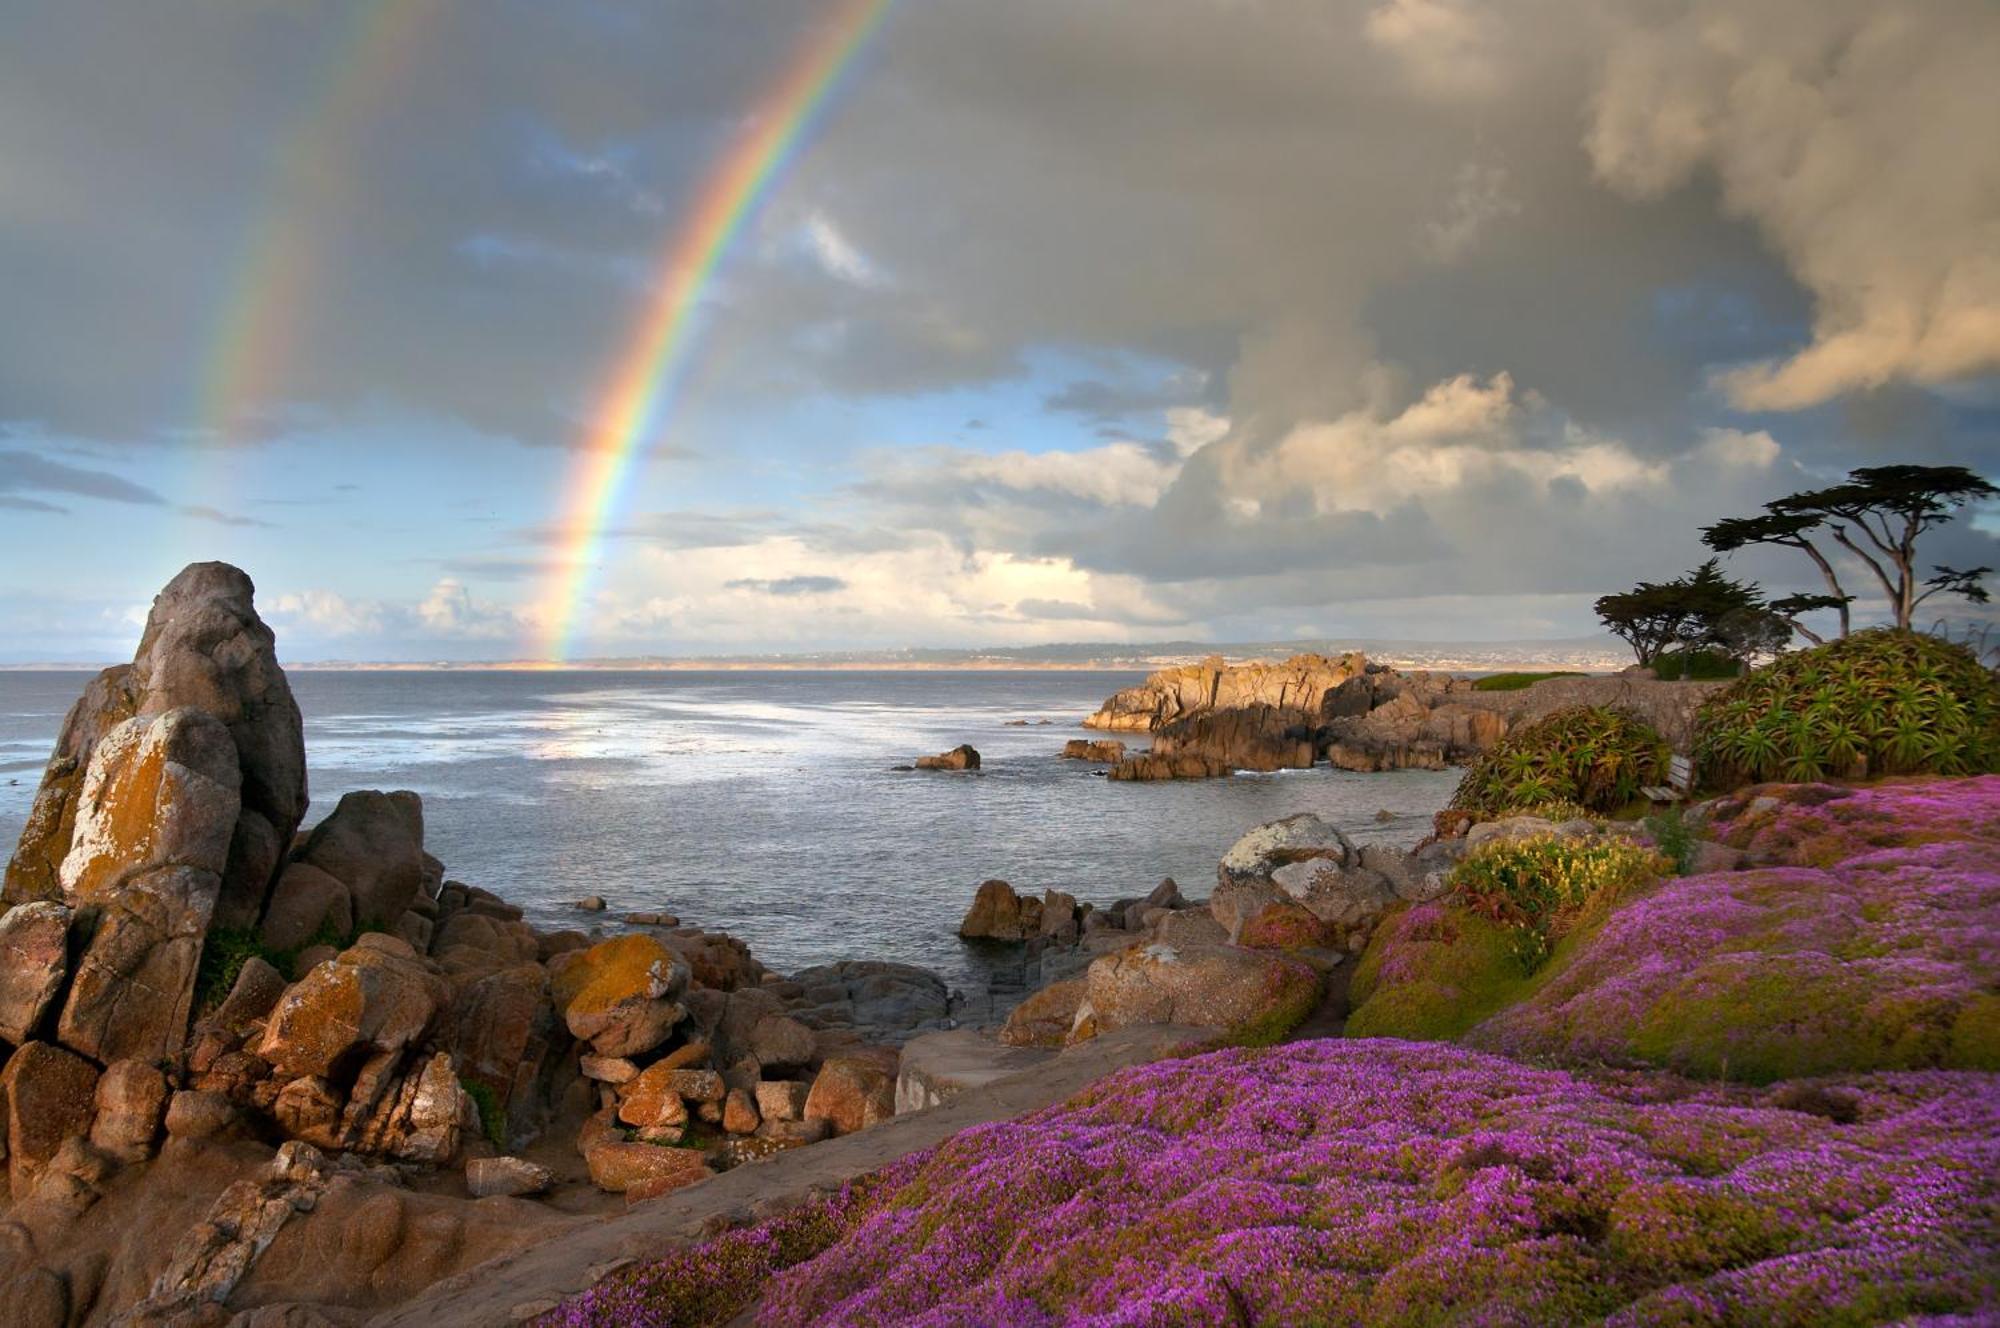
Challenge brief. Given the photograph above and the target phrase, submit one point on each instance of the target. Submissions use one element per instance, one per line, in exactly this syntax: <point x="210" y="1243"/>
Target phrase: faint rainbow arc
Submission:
<point x="271" y="288"/>
<point x="656" y="356"/>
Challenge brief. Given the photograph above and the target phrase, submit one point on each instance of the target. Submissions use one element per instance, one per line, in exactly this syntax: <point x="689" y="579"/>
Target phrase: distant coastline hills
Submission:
<point x="1585" y="653"/>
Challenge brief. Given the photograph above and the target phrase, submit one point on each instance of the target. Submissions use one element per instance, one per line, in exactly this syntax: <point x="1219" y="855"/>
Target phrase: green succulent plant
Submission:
<point x="1594" y="758"/>
<point x="1881" y="702"/>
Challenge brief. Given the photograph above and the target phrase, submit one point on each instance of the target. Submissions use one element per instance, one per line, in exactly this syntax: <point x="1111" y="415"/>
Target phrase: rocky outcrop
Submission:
<point x="1000" y="914"/>
<point x="962" y="757"/>
<point x="204" y="648"/>
<point x="1107" y="751"/>
<point x="1302" y="865"/>
<point x="1147" y="767"/>
<point x="1212" y="718"/>
<point x="1300" y="684"/>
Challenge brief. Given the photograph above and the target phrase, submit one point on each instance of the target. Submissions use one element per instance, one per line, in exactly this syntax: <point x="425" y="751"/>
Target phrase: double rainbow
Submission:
<point x="656" y="357"/>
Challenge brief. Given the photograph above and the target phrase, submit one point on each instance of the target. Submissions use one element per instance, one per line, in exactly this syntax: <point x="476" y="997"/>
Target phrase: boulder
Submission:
<point x="962" y="757"/>
<point x="306" y="904"/>
<point x="50" y="1096"/>
<point x="151" y="838"/>
<point x="851" y="1093"/>
<point x="1276" y="843"/>
<point x="1285" y="924"/>
<point x="1254" y="993"/>
<point x="999" y="914"/>
<point x="418" y="1120"/>
<point x="1045" y="1017"/>
<point x="196" y="1114"/>
<point x="375" y="998"/>
<point x="618" y="995"/>
<point x="782" y="1044"/>
<point x="373" y="843"/>
<point x="878" y="1000"/>
<point x="739" y="1112"/>
<point x="131" y="1103"/>
<point x="501" y="1028"/>
<point x="487" y="1177"/>
<point x="781" y="1100"/>
<point x="651" y="1101"/>
<point x="620" y="1167"/>
<point x="1108" y="751"/>
<point x="34" y="963"/>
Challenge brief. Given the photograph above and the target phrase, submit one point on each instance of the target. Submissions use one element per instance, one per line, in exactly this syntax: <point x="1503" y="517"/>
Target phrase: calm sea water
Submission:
<point x="764" y="804"/>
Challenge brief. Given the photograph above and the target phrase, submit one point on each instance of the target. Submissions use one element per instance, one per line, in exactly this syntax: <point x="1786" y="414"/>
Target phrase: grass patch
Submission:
<point x="1518" y="682"/>
<point x="227" y="949"/>
<point x="492" y="1116"/>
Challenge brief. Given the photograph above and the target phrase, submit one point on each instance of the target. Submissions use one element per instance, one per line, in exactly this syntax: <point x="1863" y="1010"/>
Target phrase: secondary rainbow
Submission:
<point x="655" y="359"/>
<point x="312" y="184"/>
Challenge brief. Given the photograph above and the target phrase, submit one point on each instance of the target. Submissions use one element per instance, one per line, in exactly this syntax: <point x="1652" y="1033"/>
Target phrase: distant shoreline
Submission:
<point x="1497" y="664"/>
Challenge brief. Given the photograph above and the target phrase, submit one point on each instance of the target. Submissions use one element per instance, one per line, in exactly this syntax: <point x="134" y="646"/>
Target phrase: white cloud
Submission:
<point x="1480" y="197"/>
<point x="1445" y="46"/>
<point x="1859" y="136"/>
<point x="837" y="255"/>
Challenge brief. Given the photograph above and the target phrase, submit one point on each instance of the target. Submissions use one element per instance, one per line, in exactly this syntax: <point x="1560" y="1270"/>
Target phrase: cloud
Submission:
<point x="27" y="472"/>
<point x="204" y="513"/>
<point x="788" y="586"/>
<point x="1858" y="136"/>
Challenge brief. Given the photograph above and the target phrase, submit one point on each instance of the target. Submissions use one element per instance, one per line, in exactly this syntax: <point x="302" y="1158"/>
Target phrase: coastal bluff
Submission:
<point x="1214" y="718"/>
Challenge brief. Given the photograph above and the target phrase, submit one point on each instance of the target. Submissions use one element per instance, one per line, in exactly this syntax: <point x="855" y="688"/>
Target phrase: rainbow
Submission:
<point x="272" y="287"/>
<point x="656" y="356"/>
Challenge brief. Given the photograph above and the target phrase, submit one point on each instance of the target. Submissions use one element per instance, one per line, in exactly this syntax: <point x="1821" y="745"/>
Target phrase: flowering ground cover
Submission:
<point x="1871" y="942"/>
<point x="1383" y="1182"/>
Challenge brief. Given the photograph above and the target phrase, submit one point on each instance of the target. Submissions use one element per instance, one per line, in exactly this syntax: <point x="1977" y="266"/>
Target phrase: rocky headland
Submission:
<point x="1214" y="718"/>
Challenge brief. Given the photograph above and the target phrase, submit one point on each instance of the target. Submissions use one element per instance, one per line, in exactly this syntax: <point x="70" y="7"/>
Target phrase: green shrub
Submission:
<point x="1879" y="702"/>
<point x="223" y="955"/>
<point x="1696" y="666"/>
<point x="1537" y="888"/>
<point x="1515" y="682"/>
<point x="1674" y="838"/>
<point x="492" y="1116"/>
<point x="1589" y="756"/>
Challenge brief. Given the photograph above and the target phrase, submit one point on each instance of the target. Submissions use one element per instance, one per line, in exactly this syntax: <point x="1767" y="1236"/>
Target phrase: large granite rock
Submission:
<point x="373" y="844"/>
<point x="1258" y="993"/>
<point x="852" y="1093"/>
<point x="502" y="1031"/>
<point x="376" y="998"/>
<point x="998" y="913"/>
<point x="937" y="1067"/>
<point x="1298" y="684"/>
<point x="1147" y="767"/>
<point x="151" y="839"/>
<point x="1108" y="751"/>
<point x="35" y="870"/>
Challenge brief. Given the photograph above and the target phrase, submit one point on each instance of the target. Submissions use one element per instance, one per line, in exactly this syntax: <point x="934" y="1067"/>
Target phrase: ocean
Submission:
<point x="765" y="804"/>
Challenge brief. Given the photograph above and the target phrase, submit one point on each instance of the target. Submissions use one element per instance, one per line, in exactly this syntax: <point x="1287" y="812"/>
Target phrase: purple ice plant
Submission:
<point x="1387" y="1182"/>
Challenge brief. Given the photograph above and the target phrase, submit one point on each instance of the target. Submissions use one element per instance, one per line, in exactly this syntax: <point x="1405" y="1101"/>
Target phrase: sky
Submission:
<point x="1123" y="320"/>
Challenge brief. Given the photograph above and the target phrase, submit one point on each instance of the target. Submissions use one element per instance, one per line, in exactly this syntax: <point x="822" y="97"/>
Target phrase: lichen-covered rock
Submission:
<point x="35" y="869"/>
<point x="618" y="995"/>
<point x="376" y="997"/>
<point x="1255" y="994"/>
<point x="152" y="833"/>
<point x="1252" y="859"/>
<point x="502" y="1029"/>
<point x="1285" y="924"/>
<point x="372" y="843"/>
<point x="34" y="963"/>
